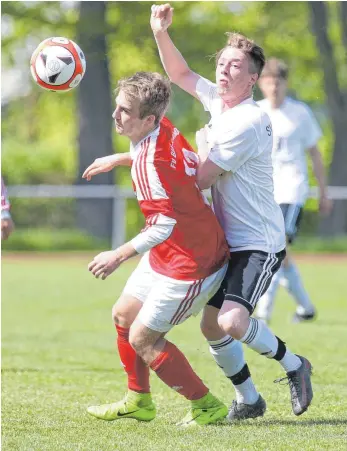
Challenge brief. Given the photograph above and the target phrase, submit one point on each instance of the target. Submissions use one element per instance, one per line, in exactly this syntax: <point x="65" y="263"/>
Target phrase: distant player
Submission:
<point x="185" y="254"/>
<point x="296" y="133"/>
<point x="7" y="224"/>
<point x="235" y="161"/>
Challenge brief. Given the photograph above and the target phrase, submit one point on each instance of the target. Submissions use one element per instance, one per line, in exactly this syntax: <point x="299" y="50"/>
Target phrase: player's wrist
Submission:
<point x="159" y="33"/>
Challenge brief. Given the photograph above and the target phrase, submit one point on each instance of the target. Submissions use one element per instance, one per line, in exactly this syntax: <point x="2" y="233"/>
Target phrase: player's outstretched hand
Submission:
<point x="161" y="17"/>
<point x="104" y="164"/>
<point x="105" y="263"/>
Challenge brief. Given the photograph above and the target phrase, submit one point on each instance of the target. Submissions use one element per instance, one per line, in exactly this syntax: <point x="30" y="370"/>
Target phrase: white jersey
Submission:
<point x="295" y="130"/>
<point x="241" y="143"/>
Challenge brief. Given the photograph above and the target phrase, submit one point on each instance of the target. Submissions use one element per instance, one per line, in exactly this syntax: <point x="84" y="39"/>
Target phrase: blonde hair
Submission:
<point x="151" y="89"/>
<point x="254" y="52"/>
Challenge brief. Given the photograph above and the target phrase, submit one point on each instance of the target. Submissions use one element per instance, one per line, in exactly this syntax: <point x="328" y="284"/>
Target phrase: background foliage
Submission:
<point x="40" y="129"/>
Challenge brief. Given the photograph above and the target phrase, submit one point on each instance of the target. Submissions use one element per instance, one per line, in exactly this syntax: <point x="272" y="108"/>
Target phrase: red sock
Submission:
<point x="135" y="367"/>
<point x="175" y="371"/>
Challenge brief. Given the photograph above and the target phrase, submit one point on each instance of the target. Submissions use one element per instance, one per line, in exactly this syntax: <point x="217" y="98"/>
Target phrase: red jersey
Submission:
<point x="164" y="178"/>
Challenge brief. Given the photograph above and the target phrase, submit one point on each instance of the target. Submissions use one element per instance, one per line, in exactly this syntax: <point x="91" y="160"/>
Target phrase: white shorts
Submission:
<point x="166" y="301"/>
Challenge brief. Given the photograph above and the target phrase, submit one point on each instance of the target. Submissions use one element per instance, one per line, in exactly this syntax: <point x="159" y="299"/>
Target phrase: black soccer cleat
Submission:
<point x="240" y="411"/>
<point x="300" y="386"/>
<point x="297" y="318"/>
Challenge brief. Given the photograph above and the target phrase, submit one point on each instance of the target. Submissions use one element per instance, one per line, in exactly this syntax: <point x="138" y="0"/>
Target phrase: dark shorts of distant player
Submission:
<point x="248" y="277"/>
<point x="292" y="214"/>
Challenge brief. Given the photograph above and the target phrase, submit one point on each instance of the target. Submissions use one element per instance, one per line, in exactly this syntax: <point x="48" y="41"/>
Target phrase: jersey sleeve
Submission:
<point x="312" y="129"/>
<point x="207" y="92"/>
<point x="234" y="147"/>
<point x="158" y="229"/>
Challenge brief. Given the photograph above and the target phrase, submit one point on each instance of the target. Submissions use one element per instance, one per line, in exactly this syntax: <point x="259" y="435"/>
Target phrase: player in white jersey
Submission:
<point x="235" y="159"/>
<point x="296" y="131"/>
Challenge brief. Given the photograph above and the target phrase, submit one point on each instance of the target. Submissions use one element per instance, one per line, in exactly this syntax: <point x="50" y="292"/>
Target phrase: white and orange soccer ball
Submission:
<point x="58" y="64"/>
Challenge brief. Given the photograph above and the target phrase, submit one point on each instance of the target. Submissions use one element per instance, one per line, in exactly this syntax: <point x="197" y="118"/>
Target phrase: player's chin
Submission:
<point x="223" y="89"/>
<point x="119" y="129"/>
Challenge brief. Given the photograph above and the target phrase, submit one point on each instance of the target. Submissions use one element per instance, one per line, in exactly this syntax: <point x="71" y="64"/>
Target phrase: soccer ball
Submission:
<point x="58" y="64"/>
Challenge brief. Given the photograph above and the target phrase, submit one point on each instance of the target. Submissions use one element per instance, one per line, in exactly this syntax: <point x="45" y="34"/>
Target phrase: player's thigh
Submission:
<point x="171" y="301"/>
<point x="125" y="310"/>
<point x="140" y="281"/>
<point x="250" y="276"/>
<point x="292" y="215"/>
<point x="134" y="294"/>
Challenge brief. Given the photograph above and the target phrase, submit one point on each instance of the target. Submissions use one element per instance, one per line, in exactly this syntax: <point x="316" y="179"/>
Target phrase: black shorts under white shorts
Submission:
<point x="248" y="277"/>
<point x="292" y="214"/>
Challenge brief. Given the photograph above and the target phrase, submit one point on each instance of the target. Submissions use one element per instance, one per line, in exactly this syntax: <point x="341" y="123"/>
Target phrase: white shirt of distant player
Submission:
<point x="241" y="143"/>
<point x="295" y="130"/>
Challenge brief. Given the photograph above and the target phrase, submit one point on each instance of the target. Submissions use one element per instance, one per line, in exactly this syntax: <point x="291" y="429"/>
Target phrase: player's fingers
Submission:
<point x="98" y="170"/>
<point x="100" y="270"/>
<point x="162" y="11"/>
<point x="91" y="265"/>
<point x="89" y="168"/>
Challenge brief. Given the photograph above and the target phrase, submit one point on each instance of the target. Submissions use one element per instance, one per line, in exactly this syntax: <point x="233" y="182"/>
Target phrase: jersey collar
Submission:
<point x="153" y="133"/>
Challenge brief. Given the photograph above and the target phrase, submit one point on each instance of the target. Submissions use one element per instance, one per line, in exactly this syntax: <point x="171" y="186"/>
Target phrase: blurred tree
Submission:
<point x="337" y="103"/>
<point x="39" y="129"/>
<point x="95" y="116"/>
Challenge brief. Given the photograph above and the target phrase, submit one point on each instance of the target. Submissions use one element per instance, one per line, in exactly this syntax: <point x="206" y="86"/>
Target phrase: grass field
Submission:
<point x="58" y="357"/>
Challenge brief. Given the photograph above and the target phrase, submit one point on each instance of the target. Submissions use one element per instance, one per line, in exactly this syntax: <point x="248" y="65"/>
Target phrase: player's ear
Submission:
<point x="254" y="78"/>
<point x="150" y="120"/>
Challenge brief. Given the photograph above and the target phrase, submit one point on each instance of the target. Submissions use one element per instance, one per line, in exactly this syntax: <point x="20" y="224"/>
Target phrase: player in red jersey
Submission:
<point x="184" y="261"/>
<point x="7" y="225"/>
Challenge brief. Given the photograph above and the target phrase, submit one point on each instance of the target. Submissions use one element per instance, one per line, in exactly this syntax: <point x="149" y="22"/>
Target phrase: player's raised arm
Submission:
<point x="173" y="62"/>
<point x="106" y="164"/>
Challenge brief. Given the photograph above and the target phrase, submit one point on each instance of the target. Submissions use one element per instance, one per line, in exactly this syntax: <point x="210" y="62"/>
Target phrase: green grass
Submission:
<point x="58" y="357"/>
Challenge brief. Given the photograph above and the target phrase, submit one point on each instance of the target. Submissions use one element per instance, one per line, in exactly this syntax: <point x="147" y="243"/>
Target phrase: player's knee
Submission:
<point x="138" y="344"/>
<point x="234" y="323"/>
<point x="135" y="342"/>
<point x="121" y="316"/>
<point x="210" y="328"/>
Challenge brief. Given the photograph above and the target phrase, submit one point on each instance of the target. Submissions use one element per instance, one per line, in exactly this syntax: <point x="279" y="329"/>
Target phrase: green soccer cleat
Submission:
<point x="207" y="410"/>
<point x="135" y="405"/>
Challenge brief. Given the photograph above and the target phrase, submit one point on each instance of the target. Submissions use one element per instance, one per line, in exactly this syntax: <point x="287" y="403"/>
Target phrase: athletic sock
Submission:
<point x="174" y="370"/>
<point x="262" y="340"/>
<point x="297" y="290"/>
<point x="228" y="354"/>
<point x="134" y="366"/>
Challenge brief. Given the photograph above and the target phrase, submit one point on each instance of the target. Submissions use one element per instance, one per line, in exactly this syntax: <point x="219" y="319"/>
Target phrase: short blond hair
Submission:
<point x="254" y="52"/>
<point x="151" y="89"/>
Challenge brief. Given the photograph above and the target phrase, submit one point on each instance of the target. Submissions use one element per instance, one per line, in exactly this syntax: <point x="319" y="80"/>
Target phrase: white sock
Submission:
<point x="297" y="290"/>
<point x="246" y="392"/>
<point x="228" y="354"/>
<point x="290" y="362"/>
<point x="260" y="338"/>
<point x="266" y="302"/>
